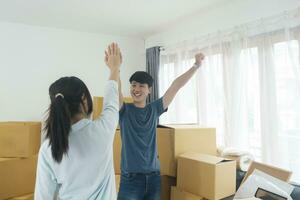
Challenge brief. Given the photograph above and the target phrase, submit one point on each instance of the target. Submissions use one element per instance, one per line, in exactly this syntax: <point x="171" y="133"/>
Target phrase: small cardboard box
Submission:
<point x="98" y="105"/>
<point x="174" y="140"/>
<point x="281" y="174"/>
<point x="178" y="194"/>
<point x="17" y="176"/>
<point x="23" y="197"/>
<point x="19" y="139"/>
<point x="207" y="176"/>
<point x="166" y="183"/>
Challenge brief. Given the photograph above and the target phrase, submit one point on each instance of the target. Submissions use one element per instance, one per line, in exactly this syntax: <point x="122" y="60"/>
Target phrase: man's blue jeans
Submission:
<point x="137" y="186"/>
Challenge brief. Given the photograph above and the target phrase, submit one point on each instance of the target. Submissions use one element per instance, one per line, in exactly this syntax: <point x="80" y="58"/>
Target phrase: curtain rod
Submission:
<point x="283" y="15"/>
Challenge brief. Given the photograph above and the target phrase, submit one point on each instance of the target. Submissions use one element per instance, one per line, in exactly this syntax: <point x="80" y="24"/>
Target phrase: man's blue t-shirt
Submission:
<point x="138" y="132"/>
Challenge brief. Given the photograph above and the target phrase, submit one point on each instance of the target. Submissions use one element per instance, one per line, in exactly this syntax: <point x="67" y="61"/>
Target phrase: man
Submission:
<point x="140" y="168"/>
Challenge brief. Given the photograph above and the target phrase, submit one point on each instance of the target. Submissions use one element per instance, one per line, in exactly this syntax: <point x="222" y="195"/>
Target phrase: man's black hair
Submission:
<point x="142" y="77"/>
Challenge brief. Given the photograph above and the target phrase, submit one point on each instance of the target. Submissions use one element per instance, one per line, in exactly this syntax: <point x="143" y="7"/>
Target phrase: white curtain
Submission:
<point x="248" y="88"/>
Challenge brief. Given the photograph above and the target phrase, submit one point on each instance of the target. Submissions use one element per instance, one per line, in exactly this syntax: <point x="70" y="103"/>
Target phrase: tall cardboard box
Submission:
<point x="207" y="176"/>
<point x="17" y="176"/>
<point x="166" y="183"/>
<point x="174" y="140"/>
<point x="24" y="197"/>
<point x="19" y="139"/>
<point x="98" y="105"/>
<point x="178" y="194"/>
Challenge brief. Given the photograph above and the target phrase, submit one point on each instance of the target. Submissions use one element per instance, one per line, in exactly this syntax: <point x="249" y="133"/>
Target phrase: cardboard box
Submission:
<point x="281" y="174"/>
<point x="178" y="194"/>
<point x="166" y="183"/>
<point x="24" y="197"/>
<point x="118" y="179"/>
<point x="207" y="176"/>
<point x="17" y="176"/>
<point x="19" y="139"/>
<point x="175" y="140"/>
<point x="98" y="105"/>
<point x="117" y="152"/>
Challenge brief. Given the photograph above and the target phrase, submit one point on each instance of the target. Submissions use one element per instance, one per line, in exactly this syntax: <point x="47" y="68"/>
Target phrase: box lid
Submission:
<point x="203" y="157"/>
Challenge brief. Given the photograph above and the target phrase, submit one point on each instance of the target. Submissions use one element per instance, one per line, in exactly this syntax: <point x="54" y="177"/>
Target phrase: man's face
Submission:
<point x="139" y="91"/>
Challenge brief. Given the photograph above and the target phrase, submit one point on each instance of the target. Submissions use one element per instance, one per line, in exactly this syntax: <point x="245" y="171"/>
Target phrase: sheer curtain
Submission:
<point x="248" y="88"/>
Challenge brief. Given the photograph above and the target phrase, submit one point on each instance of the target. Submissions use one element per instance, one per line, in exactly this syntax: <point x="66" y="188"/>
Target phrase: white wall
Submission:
<point x="224" y="15"/>
<point x="31" y="58"/>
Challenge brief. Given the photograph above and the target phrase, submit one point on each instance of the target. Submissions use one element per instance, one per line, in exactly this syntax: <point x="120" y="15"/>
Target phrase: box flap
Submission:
<point x="163" y="126"/>
<point x="279" y="173"/>
<point x="203" y="157"/>
<point x="181" y="126"/>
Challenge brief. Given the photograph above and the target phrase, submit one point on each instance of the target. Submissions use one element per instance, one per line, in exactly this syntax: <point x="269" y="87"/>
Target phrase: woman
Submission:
<point x="76" y="160"/>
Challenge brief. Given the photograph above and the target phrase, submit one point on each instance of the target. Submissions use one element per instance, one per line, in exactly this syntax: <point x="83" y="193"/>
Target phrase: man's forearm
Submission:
<point x="180" y="81"/>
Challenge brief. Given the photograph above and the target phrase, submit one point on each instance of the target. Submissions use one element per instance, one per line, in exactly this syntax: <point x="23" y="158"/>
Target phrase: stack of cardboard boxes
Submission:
<point x="173" y="141"/>
<point x="187" y="157"/>
<point x="188" y="153"/>
<point x="19" y="146"/>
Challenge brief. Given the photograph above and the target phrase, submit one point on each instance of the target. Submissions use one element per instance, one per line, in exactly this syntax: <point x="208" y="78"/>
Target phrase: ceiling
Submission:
<point x="134" y="18"/>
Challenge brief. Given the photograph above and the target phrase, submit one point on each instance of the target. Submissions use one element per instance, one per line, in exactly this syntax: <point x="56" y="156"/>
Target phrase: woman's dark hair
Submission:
<point x="142" y="77"/>
<point x="67" y="95"/>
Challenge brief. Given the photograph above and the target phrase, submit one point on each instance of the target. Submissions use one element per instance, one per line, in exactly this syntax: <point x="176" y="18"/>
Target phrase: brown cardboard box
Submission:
<point x="178" y="194"/>
<point x="98" y="105"/>
<point x="204" y="175"/>
<point x="17" y="176"/>
<point x="24" y="197"/>
<point x="118" y="179"/>
<point x="117" y="152"/>
<point x="174" y="140"/>
<point x="166" y="183"/>
<point x="19" y="139"/>
<point x="281" y="174"/>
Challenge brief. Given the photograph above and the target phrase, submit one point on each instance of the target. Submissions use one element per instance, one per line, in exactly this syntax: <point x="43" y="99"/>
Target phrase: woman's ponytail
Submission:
<point x="58" y="126"/>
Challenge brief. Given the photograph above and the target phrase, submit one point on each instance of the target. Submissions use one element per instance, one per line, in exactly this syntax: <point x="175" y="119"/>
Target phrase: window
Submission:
<point x="229" y="93"/>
